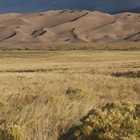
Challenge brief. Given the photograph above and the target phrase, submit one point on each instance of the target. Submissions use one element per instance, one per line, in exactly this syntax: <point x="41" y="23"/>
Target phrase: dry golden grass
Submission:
<point x="72" y="46"/>
<point x="46" y="92"/>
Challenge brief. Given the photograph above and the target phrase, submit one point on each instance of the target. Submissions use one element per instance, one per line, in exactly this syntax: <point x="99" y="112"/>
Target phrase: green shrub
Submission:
<point x="114" y="121"/>
<point x="75" y="93"/>
<point x="11" y="132"/>
<point x="2" y="103"/>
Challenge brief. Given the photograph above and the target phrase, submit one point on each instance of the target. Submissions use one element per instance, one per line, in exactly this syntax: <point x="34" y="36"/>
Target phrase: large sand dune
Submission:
<point x="69" y="26"/>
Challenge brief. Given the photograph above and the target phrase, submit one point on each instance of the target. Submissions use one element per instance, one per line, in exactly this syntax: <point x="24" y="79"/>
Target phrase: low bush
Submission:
<point x="114" y="121"/>
<point x="76" y="93"/>
<point x="11" y="132"/>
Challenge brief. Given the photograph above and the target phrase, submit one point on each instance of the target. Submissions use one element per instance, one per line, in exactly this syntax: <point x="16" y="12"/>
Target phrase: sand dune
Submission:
<point x="69" y="26"/>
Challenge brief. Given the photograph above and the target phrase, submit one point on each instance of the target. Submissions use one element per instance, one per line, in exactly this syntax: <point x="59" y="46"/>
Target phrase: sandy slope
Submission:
<point x="69" y="26"/>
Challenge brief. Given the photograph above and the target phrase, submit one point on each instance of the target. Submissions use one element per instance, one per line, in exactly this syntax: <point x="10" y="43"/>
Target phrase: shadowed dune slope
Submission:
<point x="69" y="26"/>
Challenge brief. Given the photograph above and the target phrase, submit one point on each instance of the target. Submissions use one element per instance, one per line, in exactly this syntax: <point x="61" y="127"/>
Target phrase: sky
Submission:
<point x="26" y="6"/>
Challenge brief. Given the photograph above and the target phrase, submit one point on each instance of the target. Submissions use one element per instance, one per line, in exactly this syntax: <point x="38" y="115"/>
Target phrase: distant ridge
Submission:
<point x="134" y="10"/>
<point x="62" y="26"/>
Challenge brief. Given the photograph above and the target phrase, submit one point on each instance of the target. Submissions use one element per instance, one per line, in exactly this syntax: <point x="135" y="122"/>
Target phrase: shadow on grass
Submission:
<point x="128" y="74"/>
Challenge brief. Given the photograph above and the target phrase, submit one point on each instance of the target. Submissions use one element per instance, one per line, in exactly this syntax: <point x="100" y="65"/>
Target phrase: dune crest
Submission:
<point x="69" y="26"/>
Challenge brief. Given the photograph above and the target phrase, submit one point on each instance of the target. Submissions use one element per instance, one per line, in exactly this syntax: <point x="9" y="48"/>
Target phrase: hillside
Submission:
<point x="69" y="26"/>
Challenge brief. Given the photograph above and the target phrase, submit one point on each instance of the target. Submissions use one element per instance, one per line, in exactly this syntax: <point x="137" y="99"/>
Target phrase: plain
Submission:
<point x="46" y="92"/>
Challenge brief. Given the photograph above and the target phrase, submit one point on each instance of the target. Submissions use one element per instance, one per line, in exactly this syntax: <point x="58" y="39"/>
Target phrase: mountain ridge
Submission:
<point x="69" y="26"/>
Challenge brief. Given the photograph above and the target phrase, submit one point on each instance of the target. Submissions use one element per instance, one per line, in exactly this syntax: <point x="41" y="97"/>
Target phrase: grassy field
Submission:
<point x="46" y="92"/>
<point x="72" y="46"/>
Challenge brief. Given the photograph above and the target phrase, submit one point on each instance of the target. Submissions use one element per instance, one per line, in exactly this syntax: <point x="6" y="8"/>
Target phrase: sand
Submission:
<point x="69" y="26"/>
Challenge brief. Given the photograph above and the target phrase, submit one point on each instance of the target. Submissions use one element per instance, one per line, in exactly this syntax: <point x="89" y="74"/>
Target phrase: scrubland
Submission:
<point x="47" y="92"/>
